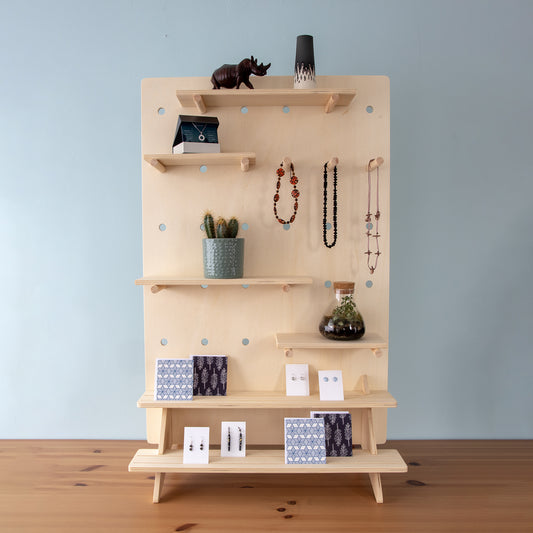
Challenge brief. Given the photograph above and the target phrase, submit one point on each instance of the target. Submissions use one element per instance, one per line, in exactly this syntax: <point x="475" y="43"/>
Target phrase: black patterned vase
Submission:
<point x="304" y="65"/>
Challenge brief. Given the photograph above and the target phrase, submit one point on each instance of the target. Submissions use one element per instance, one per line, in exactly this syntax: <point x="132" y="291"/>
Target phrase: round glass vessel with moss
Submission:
<point x="343" y="321"/>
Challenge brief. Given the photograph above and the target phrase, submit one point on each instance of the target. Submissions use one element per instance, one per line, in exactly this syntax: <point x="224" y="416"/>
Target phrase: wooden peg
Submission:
<point x="245" y="164"/>
<point x="331" y="103"/>
<point x="156" y="288"/>
<point x="199" y="102"/>
<point x="157" y="164"/>
<point x="287" y="162"/>
<point x="286" y="288"/>
<point x="332" y="163"/>
<point x="377" y="352"/>
<point x="375" y="163"/>
<point x="288" y="352"/>
<point x="364" y="384"/>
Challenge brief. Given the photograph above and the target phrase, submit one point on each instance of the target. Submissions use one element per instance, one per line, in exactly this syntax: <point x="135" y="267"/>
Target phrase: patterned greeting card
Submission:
<point x="338" y="429"/>
<point x="210" y="375"/>
<point x="305" y="441"/>
<point x="173" y="379"/>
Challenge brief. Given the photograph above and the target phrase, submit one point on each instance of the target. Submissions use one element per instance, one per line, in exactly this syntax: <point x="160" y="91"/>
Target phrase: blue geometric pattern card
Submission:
<point x="338" y="427"/>
<point x="305" y="441"/>
<point x="173" y="379"/>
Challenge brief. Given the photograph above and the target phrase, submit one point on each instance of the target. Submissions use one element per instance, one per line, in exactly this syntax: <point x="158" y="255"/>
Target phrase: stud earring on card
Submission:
<point x="293" y="378"/>
<point x="302" y="377"/>
<point x="190" y="446"/>
<point x="325" y="380"/>
<point x="202" y="445"/>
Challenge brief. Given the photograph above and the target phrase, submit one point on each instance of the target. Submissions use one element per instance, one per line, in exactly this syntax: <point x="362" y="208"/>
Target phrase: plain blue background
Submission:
<point x="71" y="361"/>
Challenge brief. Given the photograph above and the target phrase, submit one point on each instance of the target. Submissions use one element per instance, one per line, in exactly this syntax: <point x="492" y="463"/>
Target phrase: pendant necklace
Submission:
<point x="201" y="136"/>
<point x="325" y="210"/>
<point x="373" y="163"/>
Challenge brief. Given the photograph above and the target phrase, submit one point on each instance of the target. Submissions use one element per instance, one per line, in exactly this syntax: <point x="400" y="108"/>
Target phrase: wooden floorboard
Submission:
<point x="451" y="486"/>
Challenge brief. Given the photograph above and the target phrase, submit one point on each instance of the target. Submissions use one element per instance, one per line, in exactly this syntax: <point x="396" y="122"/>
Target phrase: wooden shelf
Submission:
<point x="287" y="341"/>
<point x="267" y="462"/>
<point x="162" y="161"/>
<point x="162" y="282"/>
<point x="205" y="99"/>
<point x="274" y="400"/>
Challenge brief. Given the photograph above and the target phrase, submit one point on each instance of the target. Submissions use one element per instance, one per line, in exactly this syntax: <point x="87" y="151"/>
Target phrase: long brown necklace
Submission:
<point x="373" y="164"/>
<point x="295" y="193"/>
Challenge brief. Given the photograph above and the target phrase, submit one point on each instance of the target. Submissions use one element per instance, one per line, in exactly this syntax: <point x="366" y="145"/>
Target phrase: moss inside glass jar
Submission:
<point x="342" y="321"/>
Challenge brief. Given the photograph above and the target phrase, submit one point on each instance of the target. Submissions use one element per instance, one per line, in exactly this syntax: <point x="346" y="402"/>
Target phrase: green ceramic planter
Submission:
<point x="223" y="258"/>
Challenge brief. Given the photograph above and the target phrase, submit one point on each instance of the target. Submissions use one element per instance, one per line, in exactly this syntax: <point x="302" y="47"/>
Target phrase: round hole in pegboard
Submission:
<point x="327" y="284"/>
<point x="328" y="225"/>
<point x="204" y="286"/>
<point x="244" y="110"/>
<point x="245" y="341"/>
<point x="369" y="109"/>
<point x="369" y="284"/>
<point x="202" y="226"/>
<point x="162" y="227"/>
<point x="161" y="111"/>
<point x="163" y="342"/>
<point x="245" y="285"/>
<point x="203" y="168"/>
<point x="244" y="226"/>
<point x="204" y="342"/>
<point x="369" y="226"/>
<point x="286" y="227"/>
<point x="286" y="109"/>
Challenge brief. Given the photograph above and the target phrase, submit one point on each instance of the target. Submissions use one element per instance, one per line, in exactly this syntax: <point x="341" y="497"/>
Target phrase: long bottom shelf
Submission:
<point x="261" y="461"/>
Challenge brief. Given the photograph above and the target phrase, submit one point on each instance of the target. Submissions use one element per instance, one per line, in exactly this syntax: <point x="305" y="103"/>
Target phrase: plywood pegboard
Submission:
<point x="184" y="315"/>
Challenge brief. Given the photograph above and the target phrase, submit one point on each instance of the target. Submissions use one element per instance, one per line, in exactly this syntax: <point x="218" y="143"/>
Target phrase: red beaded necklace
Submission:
<point x="295" y="193"/>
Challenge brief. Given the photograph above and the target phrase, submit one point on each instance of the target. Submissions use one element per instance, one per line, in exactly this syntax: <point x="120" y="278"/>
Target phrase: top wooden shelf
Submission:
<point x="205" y="99"/>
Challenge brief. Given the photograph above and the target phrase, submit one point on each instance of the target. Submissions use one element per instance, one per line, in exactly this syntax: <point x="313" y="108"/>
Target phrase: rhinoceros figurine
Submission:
<point x="230" y="76"/>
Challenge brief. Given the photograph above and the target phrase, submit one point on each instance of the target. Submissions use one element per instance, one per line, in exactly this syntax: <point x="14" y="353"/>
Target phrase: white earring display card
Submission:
<point x="297" y="380"/>
<point x="330" y="384"/>
<point x="233" y="439"/>
<point x="196" y="445"/>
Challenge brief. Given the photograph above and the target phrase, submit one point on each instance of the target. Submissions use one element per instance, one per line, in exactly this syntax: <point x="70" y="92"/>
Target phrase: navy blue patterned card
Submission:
<point x="338" y="429"/>
<point x="210" y="375"/>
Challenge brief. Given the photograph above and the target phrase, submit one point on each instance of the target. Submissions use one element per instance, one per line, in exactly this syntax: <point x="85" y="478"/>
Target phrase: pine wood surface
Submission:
<point x="65" y="486"/>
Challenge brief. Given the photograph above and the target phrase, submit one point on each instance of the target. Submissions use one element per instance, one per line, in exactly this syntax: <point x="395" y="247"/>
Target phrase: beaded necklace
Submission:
<point x="325" y="209"/>
<point x="295" y="193"/>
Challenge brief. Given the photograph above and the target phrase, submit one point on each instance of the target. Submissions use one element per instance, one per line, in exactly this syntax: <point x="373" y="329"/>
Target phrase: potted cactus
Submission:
<point x="223" y="251"/>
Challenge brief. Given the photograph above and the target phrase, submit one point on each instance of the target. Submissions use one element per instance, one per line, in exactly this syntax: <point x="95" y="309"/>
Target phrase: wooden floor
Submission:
<point x="77" y="486"/>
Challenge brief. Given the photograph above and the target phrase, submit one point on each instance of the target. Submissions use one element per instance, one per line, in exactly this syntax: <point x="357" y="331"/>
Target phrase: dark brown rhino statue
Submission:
<point x="230" y="76"/>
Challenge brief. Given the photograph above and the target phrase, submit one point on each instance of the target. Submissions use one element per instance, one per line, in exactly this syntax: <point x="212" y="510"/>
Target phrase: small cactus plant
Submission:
<point x="222" y="229"/>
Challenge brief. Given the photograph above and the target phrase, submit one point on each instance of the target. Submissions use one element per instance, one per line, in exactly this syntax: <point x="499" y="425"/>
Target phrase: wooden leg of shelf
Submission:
<point x="375" y="481"/>
<point x="158" y="486"/>
<point x="368" y="437"/>
<point x="165" y="432"/>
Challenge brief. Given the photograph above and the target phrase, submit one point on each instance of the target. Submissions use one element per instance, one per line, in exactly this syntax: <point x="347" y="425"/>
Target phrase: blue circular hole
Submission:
<point x="328" y="225"/>
<point x="204" y="286"/>
<point x="369" y="284"/>
<point x="202" y="226"/>
<point x="203" y="168"/>
<point x="162" y="227"/>
<point x="244" y="226"/>
<point x="245" y="285"/>
<point x="161" y="111"/>
<point x="369" y="225"/>
<point x="164" y="342"/>
<point x="327" y="284"/>
<point x="244" y="110"/>
<point x="286" y="227"/>
<point x="369" y="109"/>
<point x="204" y="341"/>
<point x="286" y="109"/>
<point x="245" y="341"/>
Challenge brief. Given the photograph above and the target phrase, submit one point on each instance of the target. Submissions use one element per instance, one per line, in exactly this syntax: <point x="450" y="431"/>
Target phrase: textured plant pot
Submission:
<point x="304" y="64"/>
<point x="223" y="258"/>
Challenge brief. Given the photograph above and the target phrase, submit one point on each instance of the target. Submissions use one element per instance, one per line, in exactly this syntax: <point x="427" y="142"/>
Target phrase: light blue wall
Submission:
<point x="71" y="356"/>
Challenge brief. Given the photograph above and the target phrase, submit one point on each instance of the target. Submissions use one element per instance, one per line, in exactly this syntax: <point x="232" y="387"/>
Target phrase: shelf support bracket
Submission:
<point x="157" y="164"/>
<point x="375" y="481"/>
<point x="288" y="352"/>
<point x="377" y="352"/>
<point x="199" y="102"/>
<point x="156" y="288"/>
<point x="331" y="103"/>
<point x="245" y="164"/>
<point x="364" y="384"/>
<point x="158" y="486"/>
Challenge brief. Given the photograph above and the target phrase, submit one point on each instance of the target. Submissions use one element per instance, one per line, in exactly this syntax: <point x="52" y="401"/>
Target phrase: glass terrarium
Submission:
<point x="342" y="321"/>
